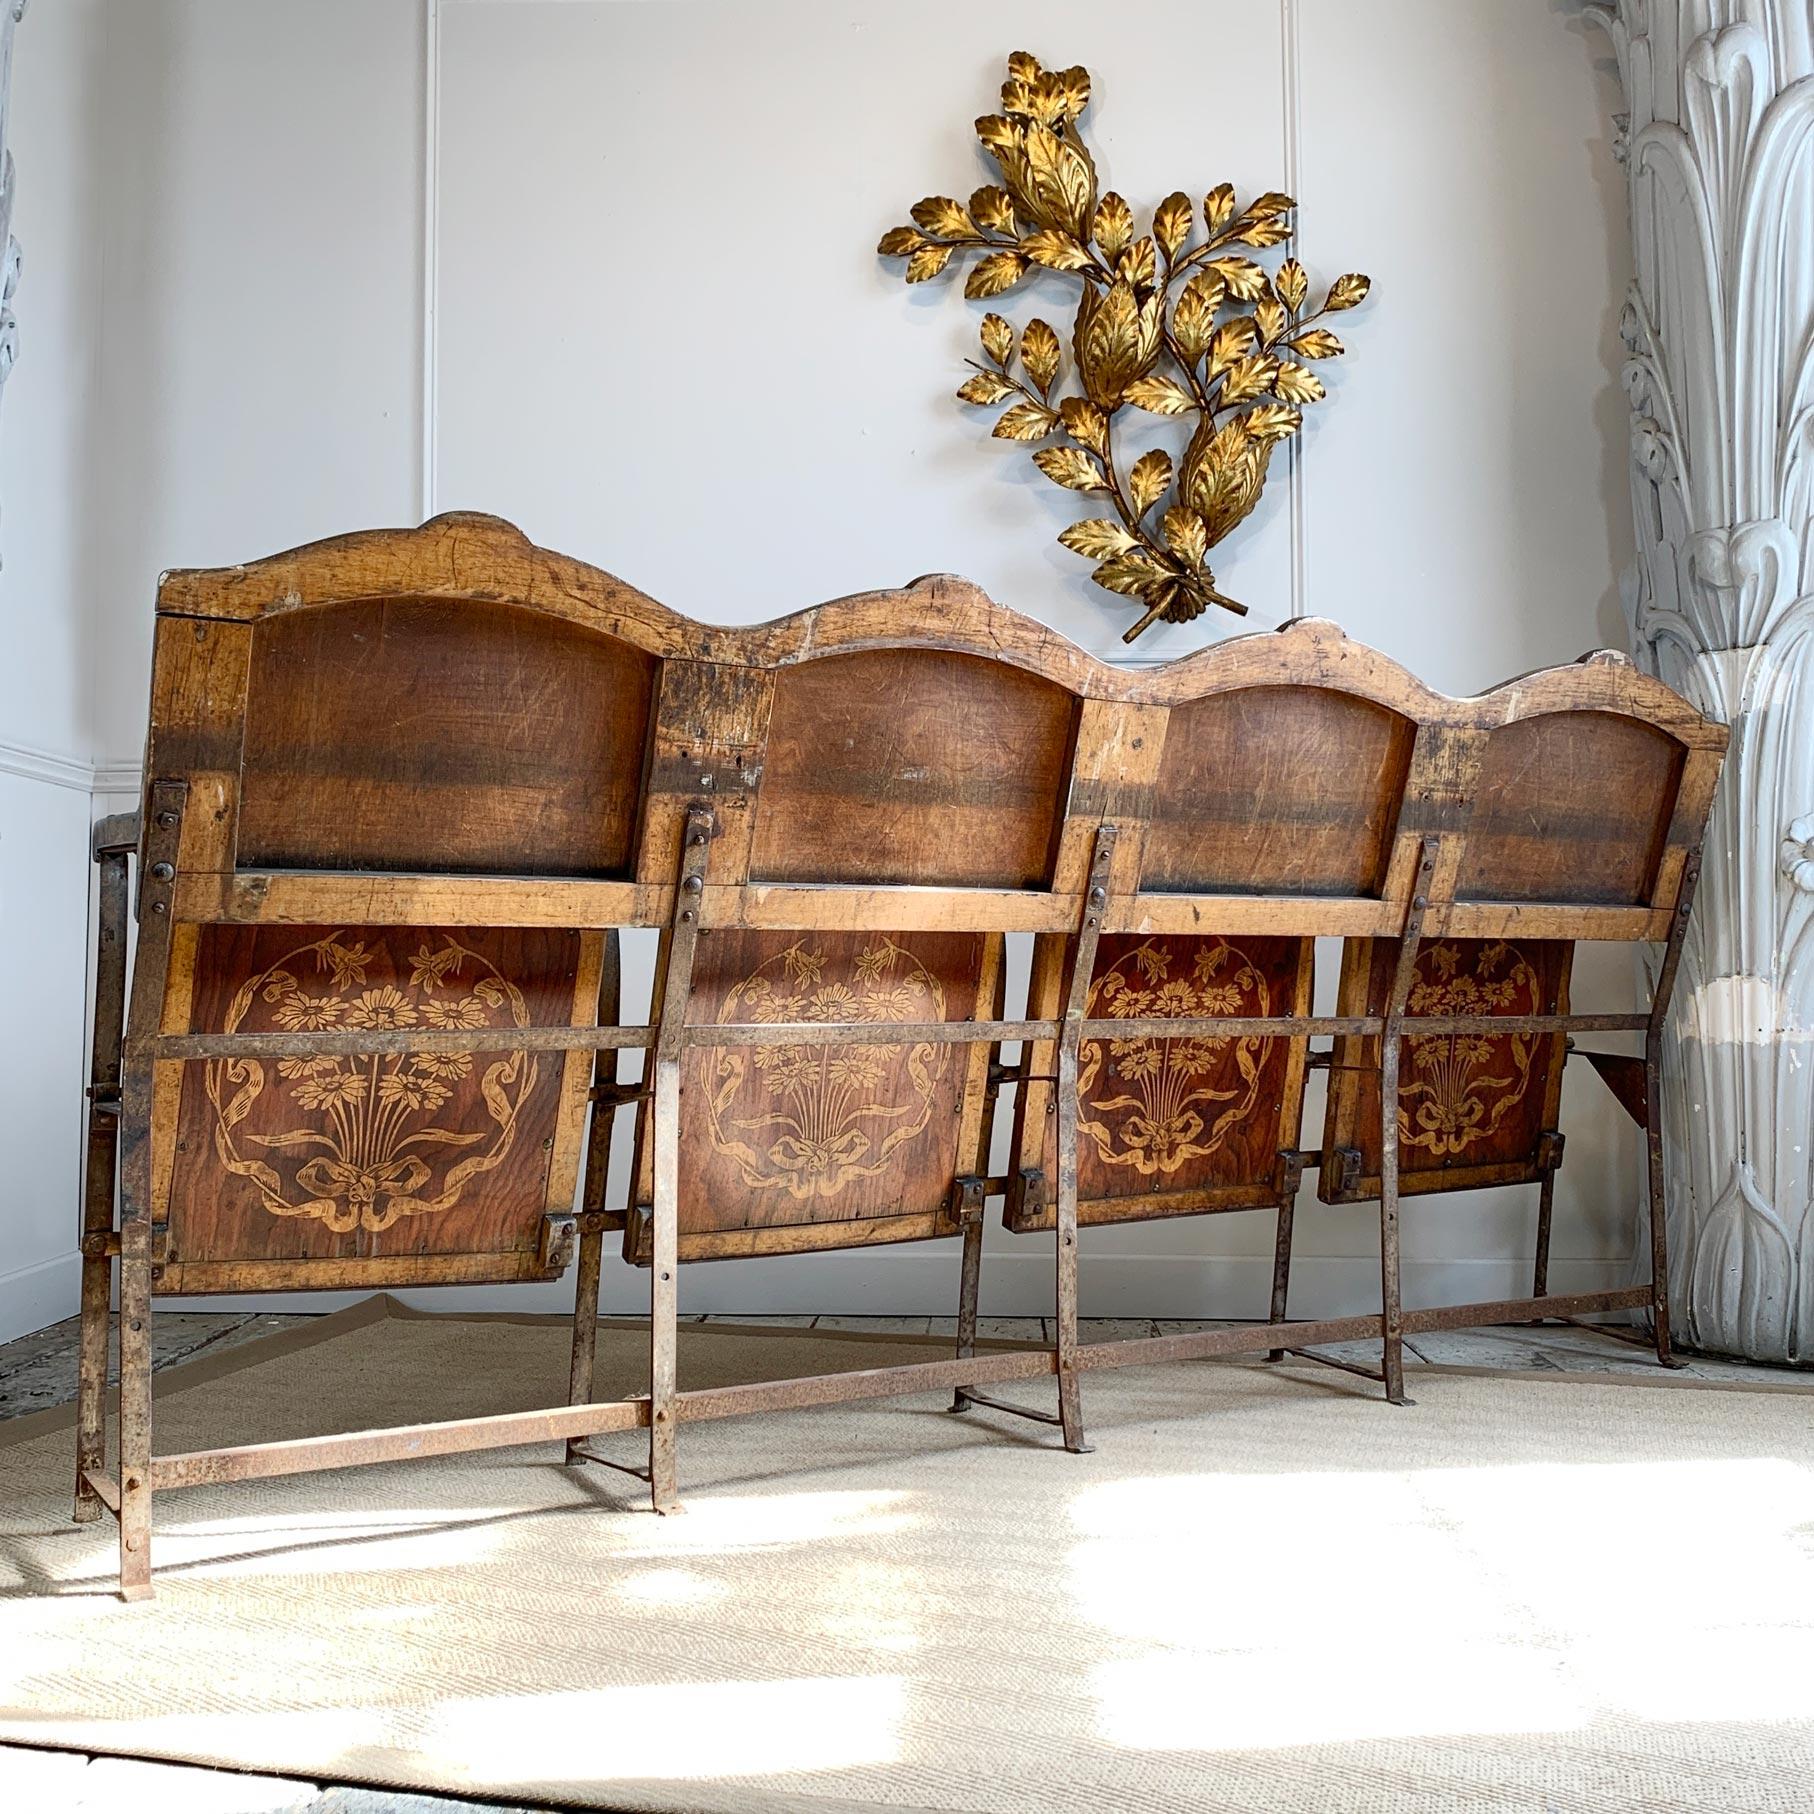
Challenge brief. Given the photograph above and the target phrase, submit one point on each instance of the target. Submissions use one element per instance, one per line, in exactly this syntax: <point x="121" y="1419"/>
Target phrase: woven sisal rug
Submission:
<point x="1265" y="1590"/>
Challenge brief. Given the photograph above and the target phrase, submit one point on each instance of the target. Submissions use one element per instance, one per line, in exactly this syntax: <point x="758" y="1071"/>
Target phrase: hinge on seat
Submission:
<point x="1549" y="1149"/>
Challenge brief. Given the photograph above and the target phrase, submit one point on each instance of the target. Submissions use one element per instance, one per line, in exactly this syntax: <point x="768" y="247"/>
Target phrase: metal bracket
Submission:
<point x="115" y="836"/>
<point x="1026" y="1194"/>
<point x="1549" y="1149"/>
<point x="1288" y="1173"/>
<point x="560" y="1232"/>
<point x="1347" y="1170"/>
<point x="967" y="1195"/>
<point x="1625" y="1077"/>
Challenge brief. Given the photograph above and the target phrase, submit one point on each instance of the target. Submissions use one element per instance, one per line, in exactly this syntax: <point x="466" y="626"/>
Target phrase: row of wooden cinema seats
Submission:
<point x="402" y="789"/>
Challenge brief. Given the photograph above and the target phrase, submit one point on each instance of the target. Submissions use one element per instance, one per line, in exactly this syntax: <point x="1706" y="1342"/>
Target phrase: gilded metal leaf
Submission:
<point x="1250" y="377"/>
<point x="998" y="339"/>
<point x="1114" y="225"/>
<point x="1316" y="343"/>
<point x="1070" y="467"/>
<point x="1023" y="66"/>
<point x="1159" y="396"/>
<point x="1274" y="201"/>
<point x="1185" y="534"/>
<point x="1272" y="231"/>
<point x="1292" y="284"/>
<point x="1234" y="339"/>
<point x="1026" y="422"/>
<point x="1224" y="471"/>
<point x="1172" y="222"/>
<point x="1194" y="316"/>
<point x="1116" y="340"/>
<point x="1245" y="280"/>
<point x="1149" y="480"/>
<point x="1297" y="383"/>
<point x="1219" y="206"/>
<point x="998" y="134"/>
<point x="1076" y="81"/>
<point x="1085" y="423"/>
<point x="1137" y="265"/>
<point x="999" y="271"/>
<point x="1270" y="318"/>
<point x="1017" y="97"/>
<point x="1097" y="538"/>
<point x="1061" y="182"/>
<point x="928" y="261"/>
<point x="1134" y="574"/>
<point x="1272" y="422"/>
<point x="993" y="209"/>
<point x="940" y="214"/>
<point x="1055" y="249"/>
<point x="1039" y="354"/>
<point x="985" y="387"/>
<point x="897" y="242"/>
<point x="1348" y="290"/>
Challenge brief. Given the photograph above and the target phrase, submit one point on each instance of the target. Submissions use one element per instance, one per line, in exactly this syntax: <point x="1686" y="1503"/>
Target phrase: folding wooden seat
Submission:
<point x="364" y="987"/>
<point x="907" y="768"/>
<point x="1272" y="772"/>
<point x="1578" y="801"/>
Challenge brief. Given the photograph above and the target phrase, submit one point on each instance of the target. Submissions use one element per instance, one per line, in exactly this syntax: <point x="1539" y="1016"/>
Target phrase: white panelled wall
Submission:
<point x="607" y="269"/>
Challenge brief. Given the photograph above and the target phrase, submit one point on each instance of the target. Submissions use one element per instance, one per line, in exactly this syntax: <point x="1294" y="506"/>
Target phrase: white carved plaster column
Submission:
<point x="1718" y="147"/>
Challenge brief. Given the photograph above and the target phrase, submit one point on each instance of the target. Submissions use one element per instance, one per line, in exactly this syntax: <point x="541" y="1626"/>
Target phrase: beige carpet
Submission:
<point x="1265" y="1590"/>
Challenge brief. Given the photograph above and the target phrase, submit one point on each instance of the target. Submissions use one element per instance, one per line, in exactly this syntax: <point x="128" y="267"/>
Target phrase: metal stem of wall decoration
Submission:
<point x="1157" y="326"/>
<point x="11" y="12"/>
<point x="1718" y="147"/>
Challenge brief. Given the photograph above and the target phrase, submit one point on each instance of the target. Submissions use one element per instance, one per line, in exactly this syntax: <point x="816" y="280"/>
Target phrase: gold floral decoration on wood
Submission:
<point x="1201" y="334"/>
<point x="378" y="1147"/>
<point x="1152" y="1104"/>
<point x="824" y="1115"/>
<point x="1457" y="1089"/>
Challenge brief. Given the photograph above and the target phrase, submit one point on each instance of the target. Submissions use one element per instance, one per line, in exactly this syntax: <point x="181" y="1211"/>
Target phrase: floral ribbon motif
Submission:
<point x="1458" y="1089"/>
<point x="1180" y="1097"/>
<point x="370" y="1122"/>
<point x="825" y="1114"/>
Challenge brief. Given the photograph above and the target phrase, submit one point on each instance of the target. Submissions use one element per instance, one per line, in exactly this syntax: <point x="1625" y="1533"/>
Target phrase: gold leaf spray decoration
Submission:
<point x="1203" y="334"/>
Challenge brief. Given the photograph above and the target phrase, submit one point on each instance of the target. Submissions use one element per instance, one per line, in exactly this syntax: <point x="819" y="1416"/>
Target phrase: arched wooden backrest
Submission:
<point x="1571" y="805"/>
<point x="419" y="734"/>
<point x="1280" y="789"/>
<point x="913" y="766"/>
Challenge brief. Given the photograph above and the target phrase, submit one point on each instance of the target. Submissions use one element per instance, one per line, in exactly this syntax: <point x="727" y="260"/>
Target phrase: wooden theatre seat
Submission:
<point x="403" y="790"/>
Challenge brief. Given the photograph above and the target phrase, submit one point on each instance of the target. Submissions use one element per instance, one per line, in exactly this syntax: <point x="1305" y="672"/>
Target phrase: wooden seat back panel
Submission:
<point x="420" y="735"/>
<point x="794" y="1147"/>
<point x="1472" y="1110"/>
<point x="1571" y="806"/>
<point x="1278" y="790"/>
<point x="1171" y="1126"/>
<point x="913" y="766"/>
<point x="401" y="1158"/>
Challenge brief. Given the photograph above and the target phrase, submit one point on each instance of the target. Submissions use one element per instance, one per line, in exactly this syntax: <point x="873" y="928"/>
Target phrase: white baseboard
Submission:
<point x="36" y="1296"/>
<point x="923" y="1282"/>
